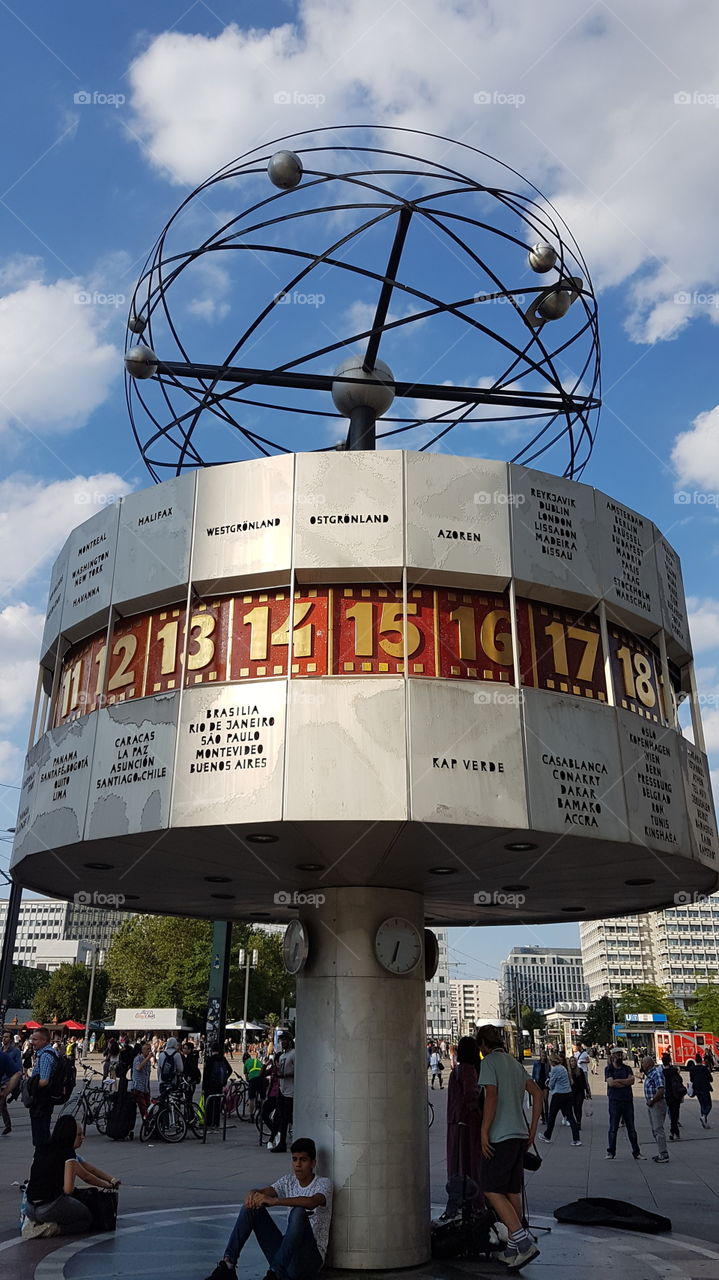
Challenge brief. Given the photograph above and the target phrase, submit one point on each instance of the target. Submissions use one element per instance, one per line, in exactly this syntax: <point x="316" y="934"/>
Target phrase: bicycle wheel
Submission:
<point x="171" y="1124"/>
<point x="147" y="1129"/>
<point x="102" y="1115"/>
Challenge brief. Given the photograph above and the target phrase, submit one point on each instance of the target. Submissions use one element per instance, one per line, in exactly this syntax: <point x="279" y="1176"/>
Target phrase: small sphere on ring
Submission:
<point x="555" y="305"/>
<point x="285" y="170"/>
<point x="362" y="393"/>
<point x="542" y="257"/>
<point x="136" y="324"/>
<point x="141" y="362"/>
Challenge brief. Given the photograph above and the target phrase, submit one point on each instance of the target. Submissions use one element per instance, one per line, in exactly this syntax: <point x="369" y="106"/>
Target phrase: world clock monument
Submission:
<point x="358" y="688"/>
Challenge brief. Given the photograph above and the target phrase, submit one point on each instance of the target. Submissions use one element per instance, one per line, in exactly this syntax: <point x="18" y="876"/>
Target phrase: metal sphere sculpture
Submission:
<point x="339" y="247"/>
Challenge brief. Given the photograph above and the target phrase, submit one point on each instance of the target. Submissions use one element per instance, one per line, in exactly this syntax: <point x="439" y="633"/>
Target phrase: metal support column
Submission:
<point x="219" y="981"/>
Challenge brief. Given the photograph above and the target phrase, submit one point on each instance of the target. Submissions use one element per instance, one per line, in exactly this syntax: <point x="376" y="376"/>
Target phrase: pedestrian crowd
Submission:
<point x="494" y="1112"/>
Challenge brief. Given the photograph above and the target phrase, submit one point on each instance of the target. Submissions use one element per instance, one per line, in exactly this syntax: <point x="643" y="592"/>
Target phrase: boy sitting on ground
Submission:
<point x="300" y="1253"/>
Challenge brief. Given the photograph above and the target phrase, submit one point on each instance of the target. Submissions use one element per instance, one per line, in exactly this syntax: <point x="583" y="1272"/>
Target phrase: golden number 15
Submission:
<point x="392" y="618"/>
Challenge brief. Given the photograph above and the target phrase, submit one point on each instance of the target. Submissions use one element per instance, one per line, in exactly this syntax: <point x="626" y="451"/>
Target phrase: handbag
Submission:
<point x="690" y="1090"/>
<point x="102" y="1203"/>
<point x="532" y="1160"/>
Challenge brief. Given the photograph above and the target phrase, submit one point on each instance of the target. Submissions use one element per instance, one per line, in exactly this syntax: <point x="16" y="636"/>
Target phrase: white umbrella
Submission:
<point x="243" y="1026"/>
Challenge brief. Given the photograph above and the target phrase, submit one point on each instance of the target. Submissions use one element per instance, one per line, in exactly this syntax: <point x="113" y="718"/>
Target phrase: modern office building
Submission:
<point x="437" y="992"/>
<point x="541" y="976"/>
<point x="472" y="1002"/>
<point x="677" y="949"/>
<point x="46" y="920"/>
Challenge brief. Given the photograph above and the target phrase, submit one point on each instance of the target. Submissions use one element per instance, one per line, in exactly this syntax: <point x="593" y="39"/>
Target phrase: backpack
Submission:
<point x="168" y="1072"/>
<point x="62" y="1081"/>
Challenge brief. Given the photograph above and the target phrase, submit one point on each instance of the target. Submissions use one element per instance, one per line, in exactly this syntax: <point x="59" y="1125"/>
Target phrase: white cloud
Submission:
<point x="696" y="452"/>
<point x="704" y="625"/>
<point x="633" y="182"/>
<point x="37" y="517"/>
<point x="55" y="368"/>
<point x="20" y="634"/>
<point x="213" y="284"/>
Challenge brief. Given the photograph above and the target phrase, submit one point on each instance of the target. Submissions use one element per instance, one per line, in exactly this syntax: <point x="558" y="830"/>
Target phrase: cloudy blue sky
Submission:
<point x="612" y="110"/>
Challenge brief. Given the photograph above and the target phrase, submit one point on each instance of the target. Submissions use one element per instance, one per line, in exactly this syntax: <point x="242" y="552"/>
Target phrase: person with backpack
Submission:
<point x="675" y="1092"/>
<point x="40" y="1103"/>
<point x="701" y="1080"/>
<point x="170" y="1068"/>
<point x="256" y="1082"/>
<point x="216" y="1073"/>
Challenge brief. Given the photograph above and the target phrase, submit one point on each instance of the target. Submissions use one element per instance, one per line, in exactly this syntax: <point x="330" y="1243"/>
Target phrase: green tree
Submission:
<point x="24" y="983"/>
<point x="271" y="985"/>
<point x="648" y="998"/>
<point x="65" y="993"/>
<point x="161" y="961"/>
<point x="164" y="961"/>
<point x="706" y="1010"/>
<point x="598" y="1022"/>
<point x="532" y="1019"/>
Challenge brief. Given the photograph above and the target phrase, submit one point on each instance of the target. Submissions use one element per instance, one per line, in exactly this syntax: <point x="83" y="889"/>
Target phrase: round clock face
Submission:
<point x="295" y="946"/>
<point x="398" y="945"/>
<point x="431" y="955"/>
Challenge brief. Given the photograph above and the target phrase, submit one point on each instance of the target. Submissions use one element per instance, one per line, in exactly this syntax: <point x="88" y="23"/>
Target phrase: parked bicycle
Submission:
<point x="93" y="1104"/>
<point x="166" y="1118"/>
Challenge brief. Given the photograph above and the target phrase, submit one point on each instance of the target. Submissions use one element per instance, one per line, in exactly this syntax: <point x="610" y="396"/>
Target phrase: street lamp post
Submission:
<point x="249" y="960"/>
<point x="88" y="1015"/>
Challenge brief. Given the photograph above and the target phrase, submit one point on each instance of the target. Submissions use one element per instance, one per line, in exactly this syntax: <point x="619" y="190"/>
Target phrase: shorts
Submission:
<point x="256" y="1088"/>
<point x="504" y="1171"/>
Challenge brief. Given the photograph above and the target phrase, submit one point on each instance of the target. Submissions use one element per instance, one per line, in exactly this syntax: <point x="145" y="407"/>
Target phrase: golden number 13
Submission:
<point x="201" y="623"/>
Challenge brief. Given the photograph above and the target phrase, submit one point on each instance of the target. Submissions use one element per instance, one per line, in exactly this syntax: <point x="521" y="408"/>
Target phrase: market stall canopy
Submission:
<point x="242" y="1026"/>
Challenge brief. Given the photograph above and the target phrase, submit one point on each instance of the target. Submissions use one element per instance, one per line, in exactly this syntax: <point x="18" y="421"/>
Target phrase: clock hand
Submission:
<point x="394" y="953"/>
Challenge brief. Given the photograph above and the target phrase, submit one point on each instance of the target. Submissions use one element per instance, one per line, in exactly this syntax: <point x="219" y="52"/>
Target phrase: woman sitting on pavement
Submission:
<point x="52" y="1180"/>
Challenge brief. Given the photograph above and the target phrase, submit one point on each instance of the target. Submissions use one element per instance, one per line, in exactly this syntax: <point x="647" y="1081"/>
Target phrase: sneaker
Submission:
<point x="609" y="1156"/>
<point x="639" y="1156"/>
<point x="522" y="1258"/>
<point x="577" y="1143"/>
<point x="660" y="1159"/>
<point x="223" y="1271"/>
<point x="542" y="1138"/>
<point x="702" y="1121"/>
<point x="270" y="1144"/>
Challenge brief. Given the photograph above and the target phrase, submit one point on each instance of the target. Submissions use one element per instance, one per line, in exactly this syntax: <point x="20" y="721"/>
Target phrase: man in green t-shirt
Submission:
<point x="504" y="1139"/>
<point x="256" y="1083"/>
